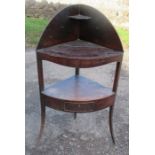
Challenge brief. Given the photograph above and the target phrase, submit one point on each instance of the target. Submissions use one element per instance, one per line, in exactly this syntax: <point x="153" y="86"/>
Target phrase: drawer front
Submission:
<point x="79" y="107"/>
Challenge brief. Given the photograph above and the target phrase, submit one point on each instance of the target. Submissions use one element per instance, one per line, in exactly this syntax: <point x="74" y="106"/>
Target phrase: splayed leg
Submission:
<point x="111" y="124"/>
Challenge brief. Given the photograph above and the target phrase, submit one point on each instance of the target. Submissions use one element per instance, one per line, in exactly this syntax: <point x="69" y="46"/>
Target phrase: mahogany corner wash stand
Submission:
<point x="79" y="36"/>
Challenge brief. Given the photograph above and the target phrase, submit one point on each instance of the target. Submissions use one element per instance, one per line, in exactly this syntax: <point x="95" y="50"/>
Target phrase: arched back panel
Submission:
<point x="98" y="30"/>
<point x="60" y="29"/>
<point x="95" y="28"/>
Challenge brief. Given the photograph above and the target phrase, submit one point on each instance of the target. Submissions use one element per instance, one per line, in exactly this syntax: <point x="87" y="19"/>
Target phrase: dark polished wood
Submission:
<point x="111" y="124"/>
<point x="77" y="71"/>
<point x="43" y="115"/>
<point x="98" y="29"/>
<point x="78" y="94"/>
<point x="79" y="36"/>
<point x="75" y="115"/>
<point x="79" y="17"/>
<point x="79" y="53"/>
<point x="78" y="89"/>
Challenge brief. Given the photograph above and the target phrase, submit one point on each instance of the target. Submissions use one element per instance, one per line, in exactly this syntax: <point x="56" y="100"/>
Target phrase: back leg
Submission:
<point x="75" y="115"/>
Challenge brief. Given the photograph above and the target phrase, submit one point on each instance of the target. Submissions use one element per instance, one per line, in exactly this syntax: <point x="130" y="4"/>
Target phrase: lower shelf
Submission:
<point x="78" y="94"/>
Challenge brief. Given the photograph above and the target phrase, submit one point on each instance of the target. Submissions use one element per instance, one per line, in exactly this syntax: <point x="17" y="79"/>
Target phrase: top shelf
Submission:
<point x="80" y="53"/>
<point x="79" y="17"/>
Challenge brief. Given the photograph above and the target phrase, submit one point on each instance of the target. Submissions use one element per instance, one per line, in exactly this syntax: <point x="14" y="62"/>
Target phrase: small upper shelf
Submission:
<point x="80" y="53"/>
<point x="79" y="17"/>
